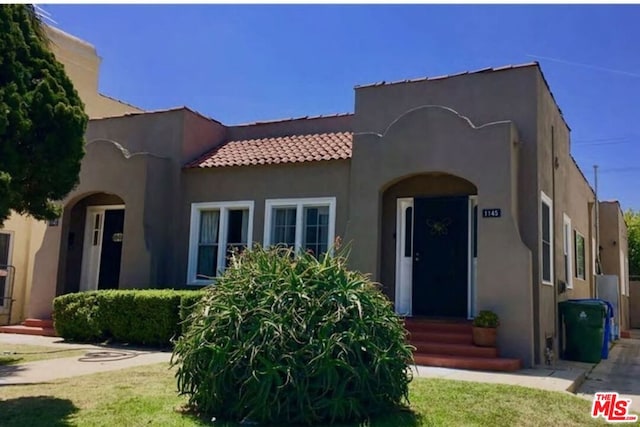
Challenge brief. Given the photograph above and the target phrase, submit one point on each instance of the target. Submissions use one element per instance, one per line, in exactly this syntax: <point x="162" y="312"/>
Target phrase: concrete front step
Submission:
<point x="465" y="362"/>
<point x="414" y="325"/>
<point x="39" y="323"/>
<point x="467" y="350"/>
<point x="441" y="337"/>
<point x="28" y="330"/>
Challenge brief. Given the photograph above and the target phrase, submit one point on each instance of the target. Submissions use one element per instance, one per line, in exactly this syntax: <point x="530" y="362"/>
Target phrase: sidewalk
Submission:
<point x="620" y="372"/>
<point x="96" y="359"/>
<point x="564" y="376"/>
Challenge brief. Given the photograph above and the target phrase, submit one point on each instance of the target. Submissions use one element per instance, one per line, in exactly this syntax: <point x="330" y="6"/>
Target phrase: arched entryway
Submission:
<point x="428" y="245"/>
<point x="91" y="246"/>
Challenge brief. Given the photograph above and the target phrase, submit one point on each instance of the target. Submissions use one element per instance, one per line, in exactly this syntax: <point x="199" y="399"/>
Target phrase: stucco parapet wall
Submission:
<point x="437" y="139"/>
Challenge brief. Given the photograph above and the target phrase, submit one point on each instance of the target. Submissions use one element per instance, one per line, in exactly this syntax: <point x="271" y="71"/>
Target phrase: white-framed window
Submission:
<point x="546" y="239"/>
<point x="302" y="224"/>
<point x="567" y="246"/>
<point x="217" y="229"/>
<point x="580" y="255"/>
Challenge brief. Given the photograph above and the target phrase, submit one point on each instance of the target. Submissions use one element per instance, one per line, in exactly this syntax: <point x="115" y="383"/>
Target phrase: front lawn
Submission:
<point x="146" y="396"/>
<point x="13" y="354"/>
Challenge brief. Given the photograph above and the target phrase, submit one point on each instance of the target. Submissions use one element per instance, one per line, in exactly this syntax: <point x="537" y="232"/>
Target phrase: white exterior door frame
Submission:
<point x="92" y="245"/>
<point x="404" y="263"/>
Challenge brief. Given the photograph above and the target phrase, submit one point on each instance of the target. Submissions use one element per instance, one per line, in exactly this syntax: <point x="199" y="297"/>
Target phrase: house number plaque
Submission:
<point x="491" y="213"/>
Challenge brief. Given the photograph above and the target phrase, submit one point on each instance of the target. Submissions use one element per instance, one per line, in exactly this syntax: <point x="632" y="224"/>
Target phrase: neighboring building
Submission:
<point x="21" y="238"/>
<point x="614" y="254"/>
<point x="457" y="193"/>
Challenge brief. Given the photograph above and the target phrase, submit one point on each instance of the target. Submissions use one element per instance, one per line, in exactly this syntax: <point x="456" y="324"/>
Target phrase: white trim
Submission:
<point x="299" y="204"/>
<point x="584" y="256"/>
<point x="91" y="254"/>
<point x="567" y="248"/>
<point x="593" y="255"/>
<point x="5" y="308"/>
<point x="404" y="264"/>
<point x="546" y="200"/>
<point x="472" y="268"/>
<point x="194" y="232"/>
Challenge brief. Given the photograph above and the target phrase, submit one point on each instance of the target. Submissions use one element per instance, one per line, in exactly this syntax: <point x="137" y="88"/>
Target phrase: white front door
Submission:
<point x="92" y="246"/>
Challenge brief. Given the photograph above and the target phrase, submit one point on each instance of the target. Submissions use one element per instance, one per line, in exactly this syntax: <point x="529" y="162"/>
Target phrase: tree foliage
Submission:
<point x="42" y="119"/>
<point x="632" y="218"/>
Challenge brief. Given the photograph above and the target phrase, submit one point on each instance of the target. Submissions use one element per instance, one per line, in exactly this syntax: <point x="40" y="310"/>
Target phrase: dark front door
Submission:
<point x="111" y="251"/>
<point x="5" y="239"/>
<point x="440" y="256"/>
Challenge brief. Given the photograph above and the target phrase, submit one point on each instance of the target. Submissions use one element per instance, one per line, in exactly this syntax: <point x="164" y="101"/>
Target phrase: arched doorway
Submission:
<point x="428" y="247"/>
<point x="91" y="254"/>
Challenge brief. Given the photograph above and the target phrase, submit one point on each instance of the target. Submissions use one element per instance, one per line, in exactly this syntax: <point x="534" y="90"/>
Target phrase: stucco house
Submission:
<point x="21" y="237"/>
<point x="457" y="193"/>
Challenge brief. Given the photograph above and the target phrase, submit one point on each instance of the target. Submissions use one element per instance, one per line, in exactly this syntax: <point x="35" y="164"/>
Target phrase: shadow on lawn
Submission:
<point x="7" y="370"/>
<point x="37" y="411"/>
<point x="400" y="418"/>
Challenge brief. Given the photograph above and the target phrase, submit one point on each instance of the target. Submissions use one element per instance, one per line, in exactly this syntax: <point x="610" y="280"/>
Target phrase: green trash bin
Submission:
<point x="584" y="330"/>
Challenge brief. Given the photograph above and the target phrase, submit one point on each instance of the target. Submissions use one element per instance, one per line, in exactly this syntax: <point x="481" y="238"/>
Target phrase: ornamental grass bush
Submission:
<point x="293" y="340"/>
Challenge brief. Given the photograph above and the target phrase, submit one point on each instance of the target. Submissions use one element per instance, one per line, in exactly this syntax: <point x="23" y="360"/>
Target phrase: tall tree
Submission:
<point x="632" y="218"/>
<point x="42" y="119"/>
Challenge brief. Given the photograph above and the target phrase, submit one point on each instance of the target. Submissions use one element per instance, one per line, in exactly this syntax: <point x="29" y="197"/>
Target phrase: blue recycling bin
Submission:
<point x="608" y="336"/>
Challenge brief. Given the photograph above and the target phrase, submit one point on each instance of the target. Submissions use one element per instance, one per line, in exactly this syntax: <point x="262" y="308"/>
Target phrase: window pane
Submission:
<point x="546" y="262"/>
<point x="209" y="224"/>
<point x="283" y="230"/>
<point x="580" y="256"/>
<point x="316" y="230"/>
<point x="408" y="233"/>
<point x="546" y="225"/>
<point x="207" y="261"/>
<point x="237" y="230"/>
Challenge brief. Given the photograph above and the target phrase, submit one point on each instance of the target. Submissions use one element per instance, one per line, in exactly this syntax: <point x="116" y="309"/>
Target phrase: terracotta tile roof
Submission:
<point x="282" y="149"/>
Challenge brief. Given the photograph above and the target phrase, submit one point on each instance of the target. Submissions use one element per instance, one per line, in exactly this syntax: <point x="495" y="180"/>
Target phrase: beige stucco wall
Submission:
<point x="430" y="139"/>
<point x="258" y="183"/>
<point x="613" y="238"/>
<point x="82" y="64"/>
<point x="561" y="180"/>
<point x="634" y="304"/>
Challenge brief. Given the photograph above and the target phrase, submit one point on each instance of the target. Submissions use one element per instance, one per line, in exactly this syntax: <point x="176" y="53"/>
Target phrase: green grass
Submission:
<point x="145" y="396"/>
<point x="14" y="354"/>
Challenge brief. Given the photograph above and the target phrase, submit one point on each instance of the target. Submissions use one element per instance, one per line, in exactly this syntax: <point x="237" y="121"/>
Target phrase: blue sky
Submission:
<point x="245" y="63"/>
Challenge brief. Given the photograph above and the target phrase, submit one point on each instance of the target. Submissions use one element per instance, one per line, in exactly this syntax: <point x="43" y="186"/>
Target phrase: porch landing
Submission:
<point x="42" y="327"/>
<point x="449" y="344"/>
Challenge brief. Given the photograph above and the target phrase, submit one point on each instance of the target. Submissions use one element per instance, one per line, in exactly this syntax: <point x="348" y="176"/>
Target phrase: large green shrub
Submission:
<point x="293" y="340"/>
<point x="145" y="316"/>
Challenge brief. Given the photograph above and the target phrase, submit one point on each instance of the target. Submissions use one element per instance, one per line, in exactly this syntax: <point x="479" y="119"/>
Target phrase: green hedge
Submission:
<point x="144" y="316"/>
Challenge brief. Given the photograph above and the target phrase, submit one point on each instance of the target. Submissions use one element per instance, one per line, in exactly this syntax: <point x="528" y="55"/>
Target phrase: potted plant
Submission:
<point x="484" y="328"/>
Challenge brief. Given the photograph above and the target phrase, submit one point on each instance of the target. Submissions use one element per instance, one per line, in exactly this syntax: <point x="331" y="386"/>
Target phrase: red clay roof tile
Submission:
<point x="284" y="149"/>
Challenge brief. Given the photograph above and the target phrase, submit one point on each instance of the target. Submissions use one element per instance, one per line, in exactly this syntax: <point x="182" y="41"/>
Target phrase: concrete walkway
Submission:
<point x="563" y="376"/>
<point x="620" y="373"/>
<point x="96" y="359"/>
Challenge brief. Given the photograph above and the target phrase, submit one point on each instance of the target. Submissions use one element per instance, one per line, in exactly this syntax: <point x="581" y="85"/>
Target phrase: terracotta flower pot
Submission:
<point x="484" y="337"/>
